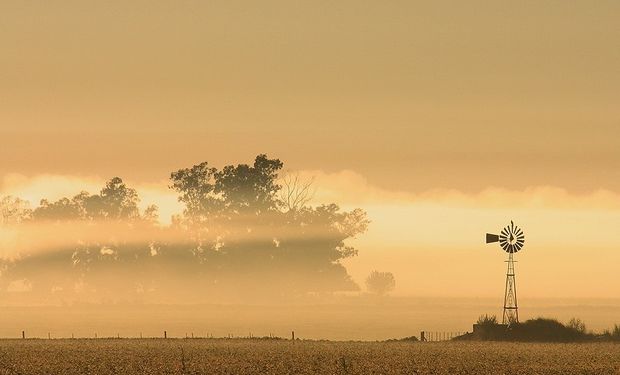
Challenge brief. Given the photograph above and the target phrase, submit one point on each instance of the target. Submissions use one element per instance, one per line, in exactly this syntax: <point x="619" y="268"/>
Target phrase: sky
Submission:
<point x="443" y="119"/>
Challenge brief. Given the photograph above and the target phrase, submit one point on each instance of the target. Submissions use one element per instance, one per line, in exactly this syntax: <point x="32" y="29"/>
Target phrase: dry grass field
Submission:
<point x="239" y="356"/>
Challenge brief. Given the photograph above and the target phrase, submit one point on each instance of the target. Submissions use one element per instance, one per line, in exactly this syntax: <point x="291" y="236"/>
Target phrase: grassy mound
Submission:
<point x="533" y="330"/>
<point x="547" y="330"/>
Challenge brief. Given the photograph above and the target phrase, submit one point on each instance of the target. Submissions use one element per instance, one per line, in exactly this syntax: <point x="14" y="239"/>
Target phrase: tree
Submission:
<point x="151" y="214"/>
<point x="13" y="210"/>
<point x="250" y="189"/>
<point x="196" y="187"/>
<point x="62" y="209"/>
<point x="380" y="283"/>
<point x="487" y="320"/>
<point x="103" y="240"/>
<point x="577" y="324"/>
<point x="615" y="334"/>
<point x="116" y="201"/>
<point x="243" y="228"/>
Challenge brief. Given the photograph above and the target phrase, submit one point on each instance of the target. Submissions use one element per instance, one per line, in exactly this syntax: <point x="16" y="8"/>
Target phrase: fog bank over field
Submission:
<point x="137" y="240"/>
<point x="333" y="318"/>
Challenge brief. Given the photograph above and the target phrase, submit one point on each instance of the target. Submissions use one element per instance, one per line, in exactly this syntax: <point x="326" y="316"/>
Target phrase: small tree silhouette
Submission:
<point x="487" y="320"/>
<point x="13" y="210"/>
<point x="380" y="283"/>
<point x="615" y="334"/>
<point x="577" y="325"/>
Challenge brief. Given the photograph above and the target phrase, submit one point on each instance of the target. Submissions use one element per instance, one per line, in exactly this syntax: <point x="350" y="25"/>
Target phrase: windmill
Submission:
<point x="511" y="240"/>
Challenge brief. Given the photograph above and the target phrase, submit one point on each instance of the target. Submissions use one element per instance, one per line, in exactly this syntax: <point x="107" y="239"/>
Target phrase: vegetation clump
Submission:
<point x="404" y="339"/>
<point x="535" y="330"/>
<point x="548" y="330"/>
<point x="487" y="320"/>
<point x="613" y="335"/>
<point x="380" y="283"/>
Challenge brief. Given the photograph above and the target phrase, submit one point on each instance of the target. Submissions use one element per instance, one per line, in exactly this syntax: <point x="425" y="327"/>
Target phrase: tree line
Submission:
<point x="245" y="230"/>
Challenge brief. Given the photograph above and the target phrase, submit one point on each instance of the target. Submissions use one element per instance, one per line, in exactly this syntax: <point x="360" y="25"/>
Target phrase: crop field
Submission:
<point x="240" y="356"/>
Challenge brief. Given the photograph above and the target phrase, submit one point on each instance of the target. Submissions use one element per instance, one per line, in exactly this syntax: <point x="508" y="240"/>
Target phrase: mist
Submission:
<point x="252" y="247"/>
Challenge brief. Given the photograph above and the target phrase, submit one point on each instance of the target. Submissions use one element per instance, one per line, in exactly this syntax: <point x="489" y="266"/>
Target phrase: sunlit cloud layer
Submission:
<point x="429" y="231"/>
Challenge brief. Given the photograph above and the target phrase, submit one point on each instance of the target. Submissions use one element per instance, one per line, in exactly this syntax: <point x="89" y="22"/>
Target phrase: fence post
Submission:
<point x="165" y="334"/>
<point x="293" y="336"/>
<point x="23" y="334"/>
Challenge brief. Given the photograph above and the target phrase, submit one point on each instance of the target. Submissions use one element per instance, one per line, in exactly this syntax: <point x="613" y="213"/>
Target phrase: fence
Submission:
<point x="426" y="336"/>
<point x="164" y="335"/>
<point x="439" y="336"/>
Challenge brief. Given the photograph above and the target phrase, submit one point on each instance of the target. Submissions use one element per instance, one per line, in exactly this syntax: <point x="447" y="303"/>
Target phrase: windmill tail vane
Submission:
<point x="491" y="238"/>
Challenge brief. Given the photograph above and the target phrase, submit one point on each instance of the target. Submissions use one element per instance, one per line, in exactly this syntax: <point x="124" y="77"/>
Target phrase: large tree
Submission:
<point x="251" y="234"/>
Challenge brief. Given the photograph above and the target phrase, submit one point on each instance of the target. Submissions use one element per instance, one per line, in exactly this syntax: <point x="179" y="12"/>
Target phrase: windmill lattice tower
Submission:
<point x="511" y="240"/>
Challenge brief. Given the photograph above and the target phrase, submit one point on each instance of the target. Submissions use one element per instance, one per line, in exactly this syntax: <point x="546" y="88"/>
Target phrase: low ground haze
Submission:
<point x="359" y="318"/>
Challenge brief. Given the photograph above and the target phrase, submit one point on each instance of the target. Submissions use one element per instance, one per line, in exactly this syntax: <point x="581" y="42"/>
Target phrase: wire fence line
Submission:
<point x="439" y="336"/>
<point x="164" y="335"/>
<point x="425" y="336"/>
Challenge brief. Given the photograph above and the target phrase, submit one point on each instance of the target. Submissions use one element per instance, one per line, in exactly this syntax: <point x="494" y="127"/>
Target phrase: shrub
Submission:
<point x="615" y="334"/>
<point x="577" y="325"/>
<point x="487" y="320"/>
<point x="380" y="283"/>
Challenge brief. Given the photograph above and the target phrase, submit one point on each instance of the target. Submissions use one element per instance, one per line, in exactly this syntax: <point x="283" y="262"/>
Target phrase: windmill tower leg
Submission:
<point x="511" y="311"/>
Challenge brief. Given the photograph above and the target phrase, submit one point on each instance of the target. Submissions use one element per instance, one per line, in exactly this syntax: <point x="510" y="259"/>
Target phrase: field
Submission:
<point x="240" y="356"/>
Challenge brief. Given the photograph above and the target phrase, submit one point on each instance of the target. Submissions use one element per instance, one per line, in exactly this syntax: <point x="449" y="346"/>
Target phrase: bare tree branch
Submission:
<point x="296" y="192"/>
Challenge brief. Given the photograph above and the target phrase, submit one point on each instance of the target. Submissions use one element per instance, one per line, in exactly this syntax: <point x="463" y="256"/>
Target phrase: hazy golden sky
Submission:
<point x="413" y="95"/>
<point x="444" y="119"/>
